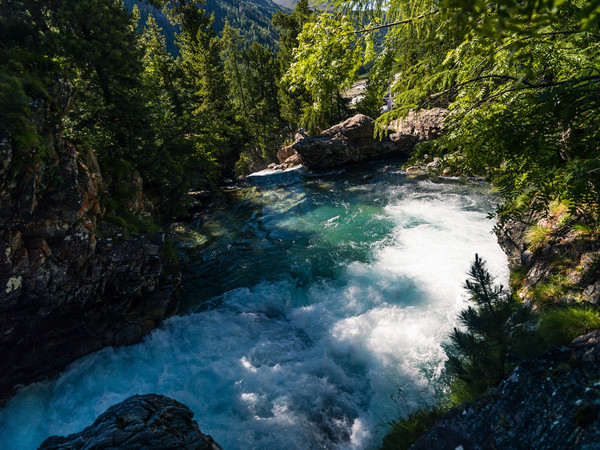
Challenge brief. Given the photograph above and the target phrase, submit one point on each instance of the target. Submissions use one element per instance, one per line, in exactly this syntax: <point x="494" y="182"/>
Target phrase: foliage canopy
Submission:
<point x="521" y="78"/>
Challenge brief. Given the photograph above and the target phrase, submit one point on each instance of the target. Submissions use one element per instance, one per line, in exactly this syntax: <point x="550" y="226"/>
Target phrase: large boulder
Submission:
<point x="425" y="124"/>
<point x="144" y="422"/>
<point x="353" y="140"/>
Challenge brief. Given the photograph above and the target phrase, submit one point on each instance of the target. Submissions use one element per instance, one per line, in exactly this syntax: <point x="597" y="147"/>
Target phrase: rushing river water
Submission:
<point x="317" y="306"/>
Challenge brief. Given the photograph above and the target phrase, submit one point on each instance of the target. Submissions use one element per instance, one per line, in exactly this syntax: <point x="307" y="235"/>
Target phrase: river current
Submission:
<point x="315" y="310"/>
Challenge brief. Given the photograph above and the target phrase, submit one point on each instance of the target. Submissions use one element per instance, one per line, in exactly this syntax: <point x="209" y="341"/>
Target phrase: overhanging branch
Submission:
<point x="393" y="24"/>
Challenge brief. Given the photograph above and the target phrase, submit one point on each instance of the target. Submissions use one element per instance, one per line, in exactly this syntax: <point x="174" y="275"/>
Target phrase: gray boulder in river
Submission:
<point x="353" y="140"/>
<point x="141" y="422"/>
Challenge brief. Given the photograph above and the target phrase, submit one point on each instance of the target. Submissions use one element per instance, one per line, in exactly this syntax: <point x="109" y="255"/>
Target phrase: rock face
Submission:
<point x="561" y="252"/>
<point x="353" y="141"/>
<point x="549" y="403"/>
<point x="425" y="125"/>
<point x="146" y="421"/>
<point x="70" y="284"/>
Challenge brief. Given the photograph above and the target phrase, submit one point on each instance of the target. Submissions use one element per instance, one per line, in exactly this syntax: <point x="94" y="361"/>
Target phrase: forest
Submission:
<point x="203" y="93"/>
<point x="520" y="79"/>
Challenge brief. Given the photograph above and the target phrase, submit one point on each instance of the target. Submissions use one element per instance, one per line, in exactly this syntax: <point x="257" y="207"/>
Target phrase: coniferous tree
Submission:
<point x="494" y="339"/>
<point x="102" y="48"/>
<point x="166" y="160"/>
<point x="232" y="45"/>
<point x="26" y="66"/>
<point x="264" y="115"/>
<point x="217" y="134"/>
<point x="293" y="103"/>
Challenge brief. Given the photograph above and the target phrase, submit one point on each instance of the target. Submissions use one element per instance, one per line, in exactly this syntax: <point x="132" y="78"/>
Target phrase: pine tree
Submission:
<point x="495" y="334"/>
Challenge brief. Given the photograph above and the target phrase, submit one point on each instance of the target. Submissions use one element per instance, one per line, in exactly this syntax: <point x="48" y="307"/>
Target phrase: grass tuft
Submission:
<point x="405" y="432"/>
<point x="560" y="326"/>
<point x="537" y="235"/>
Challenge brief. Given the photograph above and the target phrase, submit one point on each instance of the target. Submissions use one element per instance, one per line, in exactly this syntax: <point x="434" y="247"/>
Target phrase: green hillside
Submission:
<point x="286" y="3"/>
<point x="252" y="18"/>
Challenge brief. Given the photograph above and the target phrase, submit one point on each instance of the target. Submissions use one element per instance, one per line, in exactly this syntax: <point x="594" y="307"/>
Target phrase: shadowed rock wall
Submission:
<point x="70" y="283"/>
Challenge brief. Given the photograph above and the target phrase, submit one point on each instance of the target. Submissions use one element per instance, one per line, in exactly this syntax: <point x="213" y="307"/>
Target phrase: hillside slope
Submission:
<point x="251" y="17"/>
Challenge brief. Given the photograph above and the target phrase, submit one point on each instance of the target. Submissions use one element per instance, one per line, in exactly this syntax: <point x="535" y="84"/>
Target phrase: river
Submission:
<point x="315" y="310"/>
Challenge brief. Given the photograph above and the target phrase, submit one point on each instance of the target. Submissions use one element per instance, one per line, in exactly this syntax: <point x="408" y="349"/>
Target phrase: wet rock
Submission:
<point x="349" y="141"/>
<point x="143" y="421"/>
<point x="415" y="170"/>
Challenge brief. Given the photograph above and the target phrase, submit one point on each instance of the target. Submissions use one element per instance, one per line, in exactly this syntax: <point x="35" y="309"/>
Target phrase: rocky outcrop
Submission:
<point x="550" y="247"/>
<point x="353" y="140"/>
<point x="425" y="125"/>
<point x="554" y="401"/>
<point x="142" y="421"/>
<point x="70" y="283"/>
<point x="550" y="403"/>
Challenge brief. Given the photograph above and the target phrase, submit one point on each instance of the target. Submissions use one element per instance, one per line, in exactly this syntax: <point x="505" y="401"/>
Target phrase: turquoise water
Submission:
<point x="315" y="307"/>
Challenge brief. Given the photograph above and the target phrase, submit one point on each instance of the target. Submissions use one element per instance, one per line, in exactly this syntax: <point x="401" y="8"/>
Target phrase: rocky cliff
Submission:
<point x="557" y="256"/>
<point x="70" y="283"/>
<point x="142" y="421"/>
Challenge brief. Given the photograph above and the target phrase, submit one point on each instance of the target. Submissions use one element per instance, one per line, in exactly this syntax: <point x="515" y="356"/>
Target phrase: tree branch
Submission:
<point x="530" y="86"/>
<point x="393" y="24"/>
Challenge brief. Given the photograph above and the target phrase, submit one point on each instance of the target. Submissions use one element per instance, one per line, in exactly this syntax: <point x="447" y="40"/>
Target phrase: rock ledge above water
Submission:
<point x="552" y="402"/>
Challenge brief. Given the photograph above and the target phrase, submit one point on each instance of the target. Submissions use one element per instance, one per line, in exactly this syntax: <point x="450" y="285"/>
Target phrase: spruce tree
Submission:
<point x="264" y="116"/>
<point x="214" y="128"/>
<point x="232" y="45"/>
